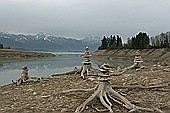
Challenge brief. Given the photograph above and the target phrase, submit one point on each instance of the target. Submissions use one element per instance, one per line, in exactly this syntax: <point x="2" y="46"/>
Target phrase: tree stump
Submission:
<point x="103" y="92"/>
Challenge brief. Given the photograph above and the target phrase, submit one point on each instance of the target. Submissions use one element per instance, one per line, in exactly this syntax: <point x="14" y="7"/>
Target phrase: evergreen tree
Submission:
<point x="119" y="42"/>
<point x="104" y="43"/>
<point x="112" y="43"/>
<point x="141" y="41"/>
<point x="133" y="43"/>
<point x="146" y="41"/>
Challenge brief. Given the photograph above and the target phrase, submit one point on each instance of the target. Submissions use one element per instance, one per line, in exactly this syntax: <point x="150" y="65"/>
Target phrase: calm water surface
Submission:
<point x="40" y="68"/>
<point x="59" y="64"/>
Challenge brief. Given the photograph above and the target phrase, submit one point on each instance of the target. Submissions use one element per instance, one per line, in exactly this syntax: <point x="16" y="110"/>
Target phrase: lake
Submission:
<point x="63" y="62"/>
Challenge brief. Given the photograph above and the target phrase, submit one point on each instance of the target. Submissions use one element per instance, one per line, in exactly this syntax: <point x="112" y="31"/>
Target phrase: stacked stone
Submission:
<point x="138" y="59"/>
<point x="86" y="63"/>
<point x="104" y="69"/>
<point x="24" y="74"/>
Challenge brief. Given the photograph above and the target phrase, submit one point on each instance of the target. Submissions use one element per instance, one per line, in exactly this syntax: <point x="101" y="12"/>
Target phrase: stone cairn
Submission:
<point x="104" y="89"/>
<point x="138" y="59"/>
<point x="137" y="62"/>
<point x="24" y="76"/>
<point x="86" y="64"/>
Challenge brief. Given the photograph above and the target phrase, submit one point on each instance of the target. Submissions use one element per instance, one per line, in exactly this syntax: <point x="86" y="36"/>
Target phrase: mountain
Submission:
<point x="47" y="42"/>
<point x="92" y="41"/>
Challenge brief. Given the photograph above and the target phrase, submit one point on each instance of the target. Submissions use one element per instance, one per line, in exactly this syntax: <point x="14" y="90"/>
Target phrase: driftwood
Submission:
<point x="138" y="86"/>
<point x="104" y="91"/>
<point x="75" y="71"/>
<point x="25" y="77"/>
<point x="21" y="81"/>
<point x="132" y="66"/>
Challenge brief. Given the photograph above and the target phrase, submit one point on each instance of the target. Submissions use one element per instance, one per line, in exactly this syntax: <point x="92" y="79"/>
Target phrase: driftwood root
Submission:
<point x="103" y="93"/>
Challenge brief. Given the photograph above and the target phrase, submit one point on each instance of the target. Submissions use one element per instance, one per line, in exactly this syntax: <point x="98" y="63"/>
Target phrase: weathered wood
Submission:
<point x="138" y="86"/>
<point x="103" y="93"/>
<point x="75" y="71"/>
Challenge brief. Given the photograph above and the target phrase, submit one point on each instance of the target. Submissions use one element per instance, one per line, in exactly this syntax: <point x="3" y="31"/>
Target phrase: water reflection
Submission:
<point x="40" y="68"/>
<point x="1" y="65"/>
<point x="59" y="64"/>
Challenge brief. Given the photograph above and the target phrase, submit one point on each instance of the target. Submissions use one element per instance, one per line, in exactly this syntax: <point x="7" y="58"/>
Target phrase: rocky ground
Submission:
<point x="43" y="95"/>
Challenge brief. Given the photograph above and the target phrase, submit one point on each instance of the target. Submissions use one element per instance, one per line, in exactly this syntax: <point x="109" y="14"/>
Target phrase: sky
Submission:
<point x="80" y="18"/>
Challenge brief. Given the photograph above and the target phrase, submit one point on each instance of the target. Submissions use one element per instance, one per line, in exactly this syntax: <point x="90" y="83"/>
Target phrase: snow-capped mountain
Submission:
<point x="47" y="42"/>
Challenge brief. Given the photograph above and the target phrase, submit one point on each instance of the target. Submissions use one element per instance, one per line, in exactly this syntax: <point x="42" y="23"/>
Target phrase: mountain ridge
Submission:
<point x="47" y="42"/>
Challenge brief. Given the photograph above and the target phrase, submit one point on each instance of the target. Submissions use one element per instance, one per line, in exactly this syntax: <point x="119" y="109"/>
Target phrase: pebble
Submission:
<point x="64" y="110"/>
<point x="154" y="65"/>
<point x="34" y="93"/>
<point x="45" y="96"/>
<point x="137" y="69"/>
<point x="166" y="70"/>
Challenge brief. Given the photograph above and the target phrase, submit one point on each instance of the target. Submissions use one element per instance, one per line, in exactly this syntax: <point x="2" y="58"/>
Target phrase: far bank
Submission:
<point x="149" y="54"/>
<point x="11" y="55"/>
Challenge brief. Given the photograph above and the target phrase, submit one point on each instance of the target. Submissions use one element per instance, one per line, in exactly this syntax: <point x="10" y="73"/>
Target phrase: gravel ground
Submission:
<point x="42" y="96"/>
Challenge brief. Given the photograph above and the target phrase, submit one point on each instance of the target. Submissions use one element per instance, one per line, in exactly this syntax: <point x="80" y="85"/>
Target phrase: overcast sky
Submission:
<point x="79" y="18"/>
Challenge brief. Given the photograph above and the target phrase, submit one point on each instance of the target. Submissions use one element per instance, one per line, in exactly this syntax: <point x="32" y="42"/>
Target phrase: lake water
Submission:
<point x="63" y="62"/>
<point x="40" y="68"/>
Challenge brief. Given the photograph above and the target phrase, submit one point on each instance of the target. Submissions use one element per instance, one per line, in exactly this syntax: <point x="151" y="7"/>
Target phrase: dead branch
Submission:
<point x="98" y="110"/>
<point x="76" y="71"/>
<point x="117" y="73"/>
<point x="78" y="90"/>
<point x="138" y="86"/>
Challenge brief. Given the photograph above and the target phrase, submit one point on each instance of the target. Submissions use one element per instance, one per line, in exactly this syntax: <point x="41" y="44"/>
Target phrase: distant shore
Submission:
<point x="11" y="55"/>
<point x="149" y="54"/>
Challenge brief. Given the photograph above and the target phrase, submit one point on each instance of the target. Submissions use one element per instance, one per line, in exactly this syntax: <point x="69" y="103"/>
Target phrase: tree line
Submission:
<point x="161" y="41"/>
<point x="112" y="42"/>
<point x="140" y="41"/>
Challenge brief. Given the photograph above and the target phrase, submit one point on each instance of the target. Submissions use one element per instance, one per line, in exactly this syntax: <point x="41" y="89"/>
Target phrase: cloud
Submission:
<point x="83" y="17"/>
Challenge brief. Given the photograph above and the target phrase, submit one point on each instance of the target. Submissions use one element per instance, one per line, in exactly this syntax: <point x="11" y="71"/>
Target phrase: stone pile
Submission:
<point x="86" y="63"/>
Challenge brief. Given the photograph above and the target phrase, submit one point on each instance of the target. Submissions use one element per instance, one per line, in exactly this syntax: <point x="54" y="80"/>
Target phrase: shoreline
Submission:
<point x="42" y="95"/>
<point x="161" y="55"/>
<point x="11" y="55"/>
